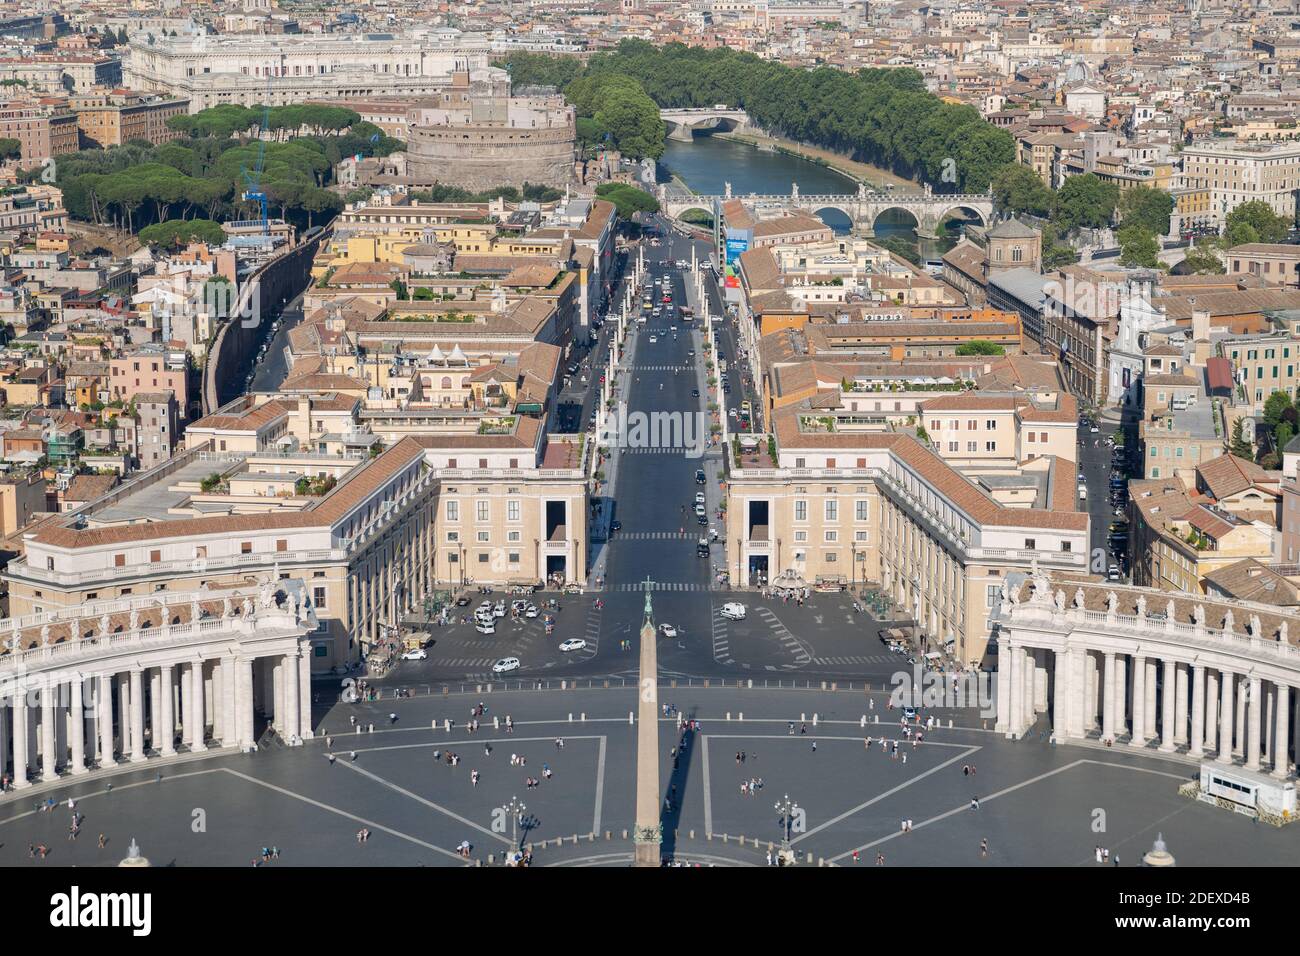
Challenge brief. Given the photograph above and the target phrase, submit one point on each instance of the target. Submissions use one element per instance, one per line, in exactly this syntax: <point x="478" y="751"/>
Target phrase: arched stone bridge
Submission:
<point x="683" y="123"/>
<point x="929" y="209"/>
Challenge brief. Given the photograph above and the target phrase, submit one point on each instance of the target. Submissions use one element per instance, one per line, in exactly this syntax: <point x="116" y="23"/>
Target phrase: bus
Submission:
<point x="686" y="313"/>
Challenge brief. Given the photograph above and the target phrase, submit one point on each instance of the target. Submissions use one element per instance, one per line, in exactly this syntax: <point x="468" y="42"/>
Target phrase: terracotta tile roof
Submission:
<point x="356" y="486"/>
<point x="1227" y="475"/>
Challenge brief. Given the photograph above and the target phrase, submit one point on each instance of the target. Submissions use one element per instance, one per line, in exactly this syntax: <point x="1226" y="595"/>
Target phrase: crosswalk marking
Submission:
<point x="665" y="586"/>
<point x="721" y="640"/>
<point x="468" y="662"/>
<point x="654" y="536"/>
<point x="855" y="659"/>
<point x="663" y="368"/>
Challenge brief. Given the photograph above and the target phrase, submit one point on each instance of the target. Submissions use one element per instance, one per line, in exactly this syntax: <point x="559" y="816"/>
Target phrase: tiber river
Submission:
<point x="709" y="162"/>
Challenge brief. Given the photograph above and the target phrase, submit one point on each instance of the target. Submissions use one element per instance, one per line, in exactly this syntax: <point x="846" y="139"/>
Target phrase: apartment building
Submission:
<point x="1275" y="262"/>
<point x="1179" y="537"/>
<point x="1264" y="363"/>
<point x="1000" y="430"/>
<point x="372" y="535"/>
<point x="838" y="504"/>
<point x="43" y="131"/>
<point x="114" y="117"/>
<point x="1237" y="173"/>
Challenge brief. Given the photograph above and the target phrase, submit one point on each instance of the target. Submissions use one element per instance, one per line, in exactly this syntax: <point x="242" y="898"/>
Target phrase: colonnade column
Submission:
<point x="1282" y="729"/>
<point x="49" y="770"/>
<point x="289" y="686"/>
<point x="1226" y="713"/>
<point x="1167" y="707"/>
<point x="244" y="701"/>
<point x="1255" y="703"/>
<point x="1211" y="709"/>
<point x="1180" y="703"/>
<point x="1140" y="722"/>
<point x="77" y="717"/>
<point x="164" y="732"/>
<point x="20" y="740"/>
<point x="304" y="692"/>
<point x="1061" y="695"/>
<point x="1108" y="703"/>
<point x="105" y="702"/>
<point x="196" y="710"/>
<point x="1198" y="710"/>
<point x="137" y="715"/>
<point x="1003" y="723"/>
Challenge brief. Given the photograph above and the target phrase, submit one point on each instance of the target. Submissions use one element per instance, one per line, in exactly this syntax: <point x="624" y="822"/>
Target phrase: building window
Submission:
<point x="318" y="598"/>
<point x="1029" y="544"/>
<point x="246" y="547"/>
<point x="453" y="511"/>
<point x="832" y="511"/>
<point x="801" y="510"/>
<point x="482" y="510"/>
<point x="512" y="511"/>
<point x="860" y="510"/>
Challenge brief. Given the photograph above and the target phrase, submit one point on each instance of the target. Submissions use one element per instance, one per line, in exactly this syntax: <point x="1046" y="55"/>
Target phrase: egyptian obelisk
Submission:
<point x="648" y="833"/>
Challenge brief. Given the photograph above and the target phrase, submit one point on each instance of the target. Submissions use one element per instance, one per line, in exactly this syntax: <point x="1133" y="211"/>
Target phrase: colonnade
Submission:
<point x="67" y="721"/>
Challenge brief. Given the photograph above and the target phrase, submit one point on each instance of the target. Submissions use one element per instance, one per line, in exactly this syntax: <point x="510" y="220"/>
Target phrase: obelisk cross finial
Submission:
<point x="649" y="611"/>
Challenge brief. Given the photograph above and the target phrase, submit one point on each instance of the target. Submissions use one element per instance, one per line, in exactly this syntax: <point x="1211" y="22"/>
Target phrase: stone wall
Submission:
<point x="481" y="157"/>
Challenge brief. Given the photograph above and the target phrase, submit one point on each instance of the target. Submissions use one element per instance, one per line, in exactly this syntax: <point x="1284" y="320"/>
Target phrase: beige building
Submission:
<point x="21" y="497"/>
<point x="293" y="488"/>
<point x="1178" y="539"/>
<point x="844" y="506"/>
<point x="1000" y="430"/>
<point x="114" y="117"/>
<point x="1237" y="173"/>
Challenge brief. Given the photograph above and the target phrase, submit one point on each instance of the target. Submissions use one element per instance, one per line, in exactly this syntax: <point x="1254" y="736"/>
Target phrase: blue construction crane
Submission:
<point x="255" y="192"/>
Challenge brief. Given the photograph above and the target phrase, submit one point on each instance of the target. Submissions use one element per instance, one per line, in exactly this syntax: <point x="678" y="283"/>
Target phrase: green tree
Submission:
<point x="1202" y="259"/>
<point x="980" y="347"/>
<point x="1282" y="436"/>
<point x="632" y="119"/>
<point x="1239" y="446"/>
<point x="1138" y="248"/>
<point x="627" y="199"/>
<point x="1146" y="207"/>
<point x="398" y="286"/>
<point x="1254" y="221"/>
<point x="1275" y="407"/>
<point x="10" y="148"/>
<point x="1018" y="189"/>
<point x="179" y="232"/>
<point x="1085" y="202"/>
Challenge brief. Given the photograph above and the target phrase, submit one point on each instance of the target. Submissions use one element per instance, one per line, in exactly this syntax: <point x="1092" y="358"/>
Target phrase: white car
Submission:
<point x="500" y="609"/>
<point x="699" y="497"/>
<point x="485" y="627"/>
<point x="505" y="665"/>
<point x="733" y="611"/>
<point x="699" y="511"/>
<point x="518" y="607"/>
<point x="573" y="644"/>
<point x="667" y="630"/>
<point x="484" y="608"/>
<point x="418" y="654"/>
<point x="654" y="338"/>
<point x="530" y="611"/>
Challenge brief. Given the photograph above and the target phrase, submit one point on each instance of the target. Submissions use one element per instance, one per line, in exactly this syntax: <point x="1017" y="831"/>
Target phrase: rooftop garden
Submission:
<point x="497" y="426"/>
<point x="314" y="487"/>
<point x="811" y="423"/>
<point x="904" y="386"/>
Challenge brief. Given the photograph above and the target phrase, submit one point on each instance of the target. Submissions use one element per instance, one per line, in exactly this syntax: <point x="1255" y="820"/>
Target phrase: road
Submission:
<point x="825" y="639"/>
<point x="270" y="370"/>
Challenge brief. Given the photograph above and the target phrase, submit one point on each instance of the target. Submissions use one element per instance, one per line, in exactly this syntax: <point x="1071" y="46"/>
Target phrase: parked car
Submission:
<point x="505" y="665"/>
<point x="700" y="476"/>
<point x="485" y="627"/>
<point x="500" y="609"/>
<point x="531" y="611"/>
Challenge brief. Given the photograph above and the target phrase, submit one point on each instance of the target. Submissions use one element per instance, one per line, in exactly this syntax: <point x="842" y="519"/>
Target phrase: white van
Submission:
<point x="485" y="627"/>
<point x="733" y="611"/>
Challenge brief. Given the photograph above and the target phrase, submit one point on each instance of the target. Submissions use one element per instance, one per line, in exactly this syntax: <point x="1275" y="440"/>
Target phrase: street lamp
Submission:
<point x="786" y="808"/>
<point x="853" y="569"/>
<point x="516" y="808"/>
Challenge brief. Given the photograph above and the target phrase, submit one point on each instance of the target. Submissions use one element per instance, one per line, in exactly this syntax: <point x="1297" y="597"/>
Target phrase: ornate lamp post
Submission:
<point x="786" y="808"/>
<point x="516" y="808"/>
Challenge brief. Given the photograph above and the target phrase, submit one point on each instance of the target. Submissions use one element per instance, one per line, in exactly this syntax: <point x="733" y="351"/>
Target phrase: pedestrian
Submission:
<point x="392" y="719"/>
<point x="855" y="856"/>
<point x="984" y="848"/>
<point x="880" y="859"/>
<point x="102" y="841"/>
<point x="1117" y="855"/>
<point x="974" y="803"/>
<point x="769" y="857"/>
<point x="353" y="755"/>
<point x="814" y="746"/>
